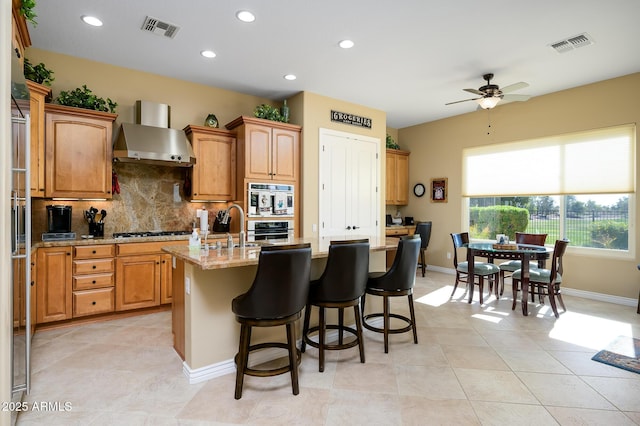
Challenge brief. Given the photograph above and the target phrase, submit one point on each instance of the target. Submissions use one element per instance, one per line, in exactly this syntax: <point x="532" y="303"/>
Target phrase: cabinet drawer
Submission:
<point x="92" y="302"/>
<point x="396" y="231"/>
<point x="92" y="266"/>
<point x="94" y="252"/>
<point x="126" y="249"/>
<point x="88" y="282"/>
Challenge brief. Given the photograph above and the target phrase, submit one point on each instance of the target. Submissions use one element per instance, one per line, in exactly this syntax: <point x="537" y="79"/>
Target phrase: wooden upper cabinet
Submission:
<point x="397" y="177"/>
<point x="20" y="38"/>
<point x="38" y="95"/>
<point x="213" y="177"/>
<point x="78" y="152"/>
<point x="267" y="150"/>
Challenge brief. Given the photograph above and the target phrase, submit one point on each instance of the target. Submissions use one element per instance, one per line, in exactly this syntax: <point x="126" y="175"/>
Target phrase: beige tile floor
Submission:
<point x="474" y="364"/>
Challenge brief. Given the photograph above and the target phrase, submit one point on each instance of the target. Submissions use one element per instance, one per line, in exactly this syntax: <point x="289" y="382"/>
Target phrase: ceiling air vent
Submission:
<point x="571" y="43"/>
<point x="156" y="26"/>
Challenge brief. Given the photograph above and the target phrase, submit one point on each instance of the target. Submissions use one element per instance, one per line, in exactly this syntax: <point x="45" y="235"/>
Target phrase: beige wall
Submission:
<point x="190" y="103"/>
<point x="436" y="150"/>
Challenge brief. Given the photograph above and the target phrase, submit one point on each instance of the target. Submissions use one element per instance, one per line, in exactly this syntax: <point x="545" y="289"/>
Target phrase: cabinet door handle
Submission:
<point x="355" y="227"/>
<point x="94" y="266"/>
<point x="348" y="227"/>
<point x="93" y="303"/>
<point x="94" y="252"/>
<point x="93" y="282"/>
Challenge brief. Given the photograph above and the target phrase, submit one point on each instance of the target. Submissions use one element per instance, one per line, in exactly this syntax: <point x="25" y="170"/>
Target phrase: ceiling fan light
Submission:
<point x="489" y="102"/>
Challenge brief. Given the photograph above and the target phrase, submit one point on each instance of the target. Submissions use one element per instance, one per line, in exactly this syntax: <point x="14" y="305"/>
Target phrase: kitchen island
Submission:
<point x="206" y="333"/>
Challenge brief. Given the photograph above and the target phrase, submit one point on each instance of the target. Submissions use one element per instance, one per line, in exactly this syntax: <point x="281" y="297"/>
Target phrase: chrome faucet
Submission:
<point x="241" y="235"/>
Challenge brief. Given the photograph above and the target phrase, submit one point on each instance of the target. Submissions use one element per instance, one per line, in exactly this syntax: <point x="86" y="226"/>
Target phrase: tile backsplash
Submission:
<point x="145" y="203"/>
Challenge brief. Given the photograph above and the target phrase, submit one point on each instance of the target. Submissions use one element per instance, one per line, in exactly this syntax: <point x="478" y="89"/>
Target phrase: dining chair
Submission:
<point x="424" y="230"/>
<point x="513" y="265"/>
<point x="481" y="270"/>
<point x="544" y="282"/>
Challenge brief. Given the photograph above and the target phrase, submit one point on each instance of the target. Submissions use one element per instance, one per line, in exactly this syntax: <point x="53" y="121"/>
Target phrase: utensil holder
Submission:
<point x="96" y="229"/>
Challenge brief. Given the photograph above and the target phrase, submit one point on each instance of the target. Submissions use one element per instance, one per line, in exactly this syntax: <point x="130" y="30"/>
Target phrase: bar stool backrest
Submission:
<point x="281" y="284"/>
<point x="402" y="274"/>
<point x="347" y="271"/>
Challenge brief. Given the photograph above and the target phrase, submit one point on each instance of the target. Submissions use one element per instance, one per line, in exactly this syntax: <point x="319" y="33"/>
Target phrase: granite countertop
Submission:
<point x="109" y="239"/>
<point x="223" y="258"/>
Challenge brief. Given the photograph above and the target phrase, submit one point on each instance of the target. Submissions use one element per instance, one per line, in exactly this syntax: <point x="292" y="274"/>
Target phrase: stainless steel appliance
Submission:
<point x="150" y="140"/>
<point x="258" y="230"/>
<point x="140" y="234"/>
<point x="270" y="199"/>
<point x="20" y="277"/>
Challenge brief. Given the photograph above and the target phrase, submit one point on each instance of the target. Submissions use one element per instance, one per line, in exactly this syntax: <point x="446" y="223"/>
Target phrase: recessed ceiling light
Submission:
<point x="208" y="53"/>
<point x="290" y="77"/>
<point x="245" y="16"/>
<point x="346" y="44"/>
<point x="91" y="20"/>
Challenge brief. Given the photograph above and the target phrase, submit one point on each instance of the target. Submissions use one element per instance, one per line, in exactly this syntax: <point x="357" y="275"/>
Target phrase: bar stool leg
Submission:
<point x="305" y="328"/>
<point x="293" y="357"/>
<point x="413" y="319"/>
<point x="356" y="312"/>
<point x="387" y="323"/>
<point x="340" y="325"/>
<point x="242" y="359"/>
<point x="321" y="337"/>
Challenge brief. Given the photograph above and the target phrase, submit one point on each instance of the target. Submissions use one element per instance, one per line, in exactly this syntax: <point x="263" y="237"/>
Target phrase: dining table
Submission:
<point x="525" y="253"/>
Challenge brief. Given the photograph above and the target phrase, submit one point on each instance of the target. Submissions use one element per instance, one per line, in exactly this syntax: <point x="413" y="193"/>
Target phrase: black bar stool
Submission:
<point x="397" y="281"/>
<point x="341" y="286"/>
<point x="276" y="297"/>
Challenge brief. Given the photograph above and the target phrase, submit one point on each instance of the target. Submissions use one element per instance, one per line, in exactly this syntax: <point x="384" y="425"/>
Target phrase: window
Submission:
<point x="578" y="186"/>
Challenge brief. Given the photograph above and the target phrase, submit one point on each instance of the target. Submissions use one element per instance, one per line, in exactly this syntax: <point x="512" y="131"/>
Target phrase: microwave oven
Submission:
<point x="270" y="200"/>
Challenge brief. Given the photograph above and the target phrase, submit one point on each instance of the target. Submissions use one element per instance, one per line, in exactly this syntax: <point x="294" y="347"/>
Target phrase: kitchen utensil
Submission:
<point x="103" y="213"/>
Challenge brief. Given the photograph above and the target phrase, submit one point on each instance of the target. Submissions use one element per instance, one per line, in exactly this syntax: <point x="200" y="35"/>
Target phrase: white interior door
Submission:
<point x="349" y="170"/>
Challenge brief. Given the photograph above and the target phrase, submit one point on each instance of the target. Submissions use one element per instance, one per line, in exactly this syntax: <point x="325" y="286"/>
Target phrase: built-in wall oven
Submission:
<point x="270" y="200"/>
<point x="258" y="230"/>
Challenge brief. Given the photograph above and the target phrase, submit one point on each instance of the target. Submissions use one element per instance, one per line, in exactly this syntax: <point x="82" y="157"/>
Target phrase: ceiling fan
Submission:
<point x="491" y="94"/>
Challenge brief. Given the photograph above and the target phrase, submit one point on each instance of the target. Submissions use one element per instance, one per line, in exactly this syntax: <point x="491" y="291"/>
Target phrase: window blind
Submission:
<point x="598" y="161"/>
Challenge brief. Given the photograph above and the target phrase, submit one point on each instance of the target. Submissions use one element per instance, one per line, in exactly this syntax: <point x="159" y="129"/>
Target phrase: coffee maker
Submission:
<point x="58" y="223"/>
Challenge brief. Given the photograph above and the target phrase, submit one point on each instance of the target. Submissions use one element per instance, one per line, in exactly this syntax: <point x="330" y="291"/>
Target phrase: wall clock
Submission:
<point x="418" y="190"/>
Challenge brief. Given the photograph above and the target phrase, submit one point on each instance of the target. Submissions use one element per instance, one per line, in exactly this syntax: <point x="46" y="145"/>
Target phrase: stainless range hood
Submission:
<point x="151" y="141"/>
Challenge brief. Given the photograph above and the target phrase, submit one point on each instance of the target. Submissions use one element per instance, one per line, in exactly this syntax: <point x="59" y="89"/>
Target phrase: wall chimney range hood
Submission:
<point x="150" y="140"/>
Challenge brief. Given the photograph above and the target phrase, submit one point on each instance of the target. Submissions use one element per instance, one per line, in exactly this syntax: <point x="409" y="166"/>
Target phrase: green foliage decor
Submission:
<point x="27" y="10"/>
<point x="391" y="144"/>
<point x="492" y="220"/>
<point x="269" y="113"/>
<point x="84" y="98"/>
<point x="38" y="73"/>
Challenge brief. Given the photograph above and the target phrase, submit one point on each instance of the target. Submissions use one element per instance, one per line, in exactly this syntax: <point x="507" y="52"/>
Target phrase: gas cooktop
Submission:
<point x="149" y="234"/>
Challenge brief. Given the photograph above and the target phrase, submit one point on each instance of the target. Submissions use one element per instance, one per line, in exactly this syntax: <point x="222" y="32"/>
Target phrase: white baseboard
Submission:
<point x="208" y="372"/>
<point x="601" y="297"/>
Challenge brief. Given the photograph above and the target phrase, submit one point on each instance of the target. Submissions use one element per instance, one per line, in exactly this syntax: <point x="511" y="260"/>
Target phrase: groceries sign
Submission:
<point x="354" y="120"/>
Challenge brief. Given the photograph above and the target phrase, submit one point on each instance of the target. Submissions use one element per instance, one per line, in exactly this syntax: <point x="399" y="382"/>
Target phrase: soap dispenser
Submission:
<point x="194" y="240"/>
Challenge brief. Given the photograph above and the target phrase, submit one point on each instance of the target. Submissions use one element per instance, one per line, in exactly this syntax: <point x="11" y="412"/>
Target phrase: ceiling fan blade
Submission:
<point x="464" y="100"/>
<point x="515" y="98"/>
<point x="474" y="91"/>
<point x="513" y="87"/>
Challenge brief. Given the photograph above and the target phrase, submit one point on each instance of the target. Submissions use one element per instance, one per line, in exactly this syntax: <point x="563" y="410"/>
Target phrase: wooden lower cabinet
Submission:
<point x="91" y="302"/>
<point x="137" y="281"/>
<point x="166" y="289"/>
<point x="93" y="286"/>
<point x="54" y="284"/>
